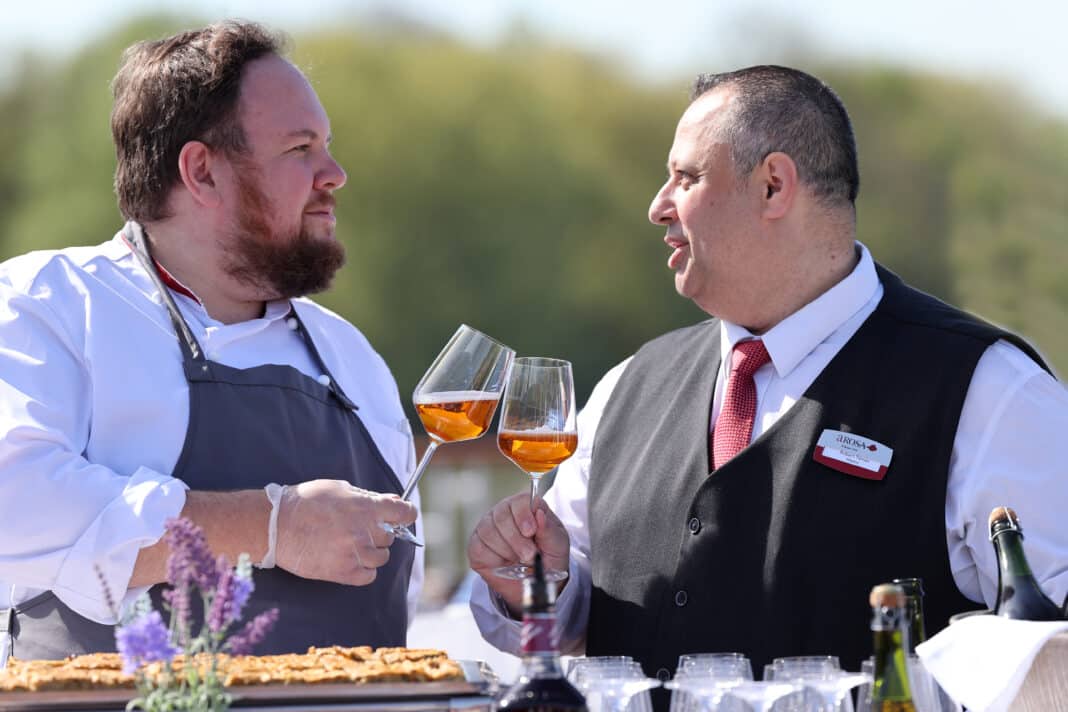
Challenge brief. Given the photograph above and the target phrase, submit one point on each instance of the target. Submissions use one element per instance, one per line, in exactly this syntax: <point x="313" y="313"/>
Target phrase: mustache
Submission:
<point x="326" y="201"/>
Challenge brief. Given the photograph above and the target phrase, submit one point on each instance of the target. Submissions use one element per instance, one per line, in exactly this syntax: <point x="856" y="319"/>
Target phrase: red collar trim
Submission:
<point x="167" y="277"/>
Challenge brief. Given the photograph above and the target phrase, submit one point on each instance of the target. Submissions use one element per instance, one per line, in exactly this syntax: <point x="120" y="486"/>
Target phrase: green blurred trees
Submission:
<point x="507" y="189"/>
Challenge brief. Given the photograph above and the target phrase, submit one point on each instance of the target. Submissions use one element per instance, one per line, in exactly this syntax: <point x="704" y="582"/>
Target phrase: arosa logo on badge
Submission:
<point x="850" y="441"/>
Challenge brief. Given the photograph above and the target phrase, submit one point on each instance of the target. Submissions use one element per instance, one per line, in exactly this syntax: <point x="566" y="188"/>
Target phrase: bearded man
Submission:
<point x="178" y="369"/>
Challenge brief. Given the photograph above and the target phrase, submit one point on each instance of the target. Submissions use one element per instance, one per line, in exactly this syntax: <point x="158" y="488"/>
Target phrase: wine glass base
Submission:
<point x="518" y="572"/>
<point x="402" y="533"/>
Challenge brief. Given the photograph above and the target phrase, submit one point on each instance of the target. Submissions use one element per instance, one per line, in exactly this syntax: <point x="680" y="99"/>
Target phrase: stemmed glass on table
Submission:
<point x="456" y="398"/>
<point x="703" y="679"/>
<point x="537" y="429"/>
<point x="612" y="685"/>
<point x="821" y="674"/>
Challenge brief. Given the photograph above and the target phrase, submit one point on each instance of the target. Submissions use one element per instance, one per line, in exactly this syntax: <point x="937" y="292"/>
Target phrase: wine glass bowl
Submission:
<point x="456" y="398"/>
<point x="537" y="429"/>
<point x="452" y="416"/>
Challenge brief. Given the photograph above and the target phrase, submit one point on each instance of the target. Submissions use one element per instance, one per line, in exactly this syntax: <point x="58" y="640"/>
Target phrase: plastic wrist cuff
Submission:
<point x="274" y="495"/>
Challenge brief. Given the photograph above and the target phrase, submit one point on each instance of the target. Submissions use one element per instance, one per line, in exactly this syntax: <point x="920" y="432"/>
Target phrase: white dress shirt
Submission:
<point x="94" y="406"/>
<point x="1005" y="453"/>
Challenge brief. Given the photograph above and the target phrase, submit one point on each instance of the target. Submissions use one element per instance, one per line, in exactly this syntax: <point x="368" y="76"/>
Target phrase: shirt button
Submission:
<point x="695" y="525"/>
<point x="663" y="674"/>
<point x="681" y="598"/>
<point x="324" y="379"/>
<point x="292" y="323"/>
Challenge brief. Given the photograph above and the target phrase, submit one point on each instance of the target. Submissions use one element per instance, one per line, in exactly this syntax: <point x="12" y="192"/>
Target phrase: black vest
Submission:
<point x="774" y="554"/>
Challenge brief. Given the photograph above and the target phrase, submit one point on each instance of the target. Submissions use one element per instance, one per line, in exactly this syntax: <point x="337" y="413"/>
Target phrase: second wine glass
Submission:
<point x="537" y="428"/>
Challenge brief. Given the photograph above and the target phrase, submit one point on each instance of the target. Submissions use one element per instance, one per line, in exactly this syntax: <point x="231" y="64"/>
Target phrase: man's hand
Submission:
<point x="509" y="534"/>
<point x="330" y="530"/>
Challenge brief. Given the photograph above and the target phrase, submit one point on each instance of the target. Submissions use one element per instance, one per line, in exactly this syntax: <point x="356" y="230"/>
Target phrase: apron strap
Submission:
<point x="135" y="236"/>
<point x="334" y="387"/>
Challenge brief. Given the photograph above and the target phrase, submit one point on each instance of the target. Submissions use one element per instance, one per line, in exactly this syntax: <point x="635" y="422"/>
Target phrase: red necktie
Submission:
<point x="734" y="426"/>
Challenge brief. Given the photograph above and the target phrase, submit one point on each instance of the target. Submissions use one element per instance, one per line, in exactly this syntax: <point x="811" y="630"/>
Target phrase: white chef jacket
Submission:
<point x="94" y="406"/>
<point x="1011" y="405"/>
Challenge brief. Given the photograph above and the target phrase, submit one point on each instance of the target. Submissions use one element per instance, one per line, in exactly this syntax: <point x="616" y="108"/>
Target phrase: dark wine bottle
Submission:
<point x="913" y="588"/>
<point x="1019" y="595"/>
<point x="542" y="686"/>
<point x="890" y="689"/>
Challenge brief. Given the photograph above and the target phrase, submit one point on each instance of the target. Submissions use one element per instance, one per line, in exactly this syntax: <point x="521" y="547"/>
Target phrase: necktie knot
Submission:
<point x="747" y="357"/>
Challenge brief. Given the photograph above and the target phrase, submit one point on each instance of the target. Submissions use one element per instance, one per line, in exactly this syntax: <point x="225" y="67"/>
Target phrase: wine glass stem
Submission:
<point x="419" y="469"/>
<point x="534" y="493"/>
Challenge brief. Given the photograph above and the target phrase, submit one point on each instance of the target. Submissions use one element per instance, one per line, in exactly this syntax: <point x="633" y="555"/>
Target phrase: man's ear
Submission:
<point x="197" y="165"/>
<point x="778" y="179"/>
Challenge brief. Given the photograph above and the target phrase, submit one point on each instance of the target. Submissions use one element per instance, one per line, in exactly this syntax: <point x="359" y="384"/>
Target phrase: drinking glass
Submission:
<point x="456" y="398"/>
<point x="831" y="685"/>
<point x="702" y="693"/>
<point x="537" y="430"/>
<point x="702" y="679"/>
<point x="576" y="664"/>
<point x="762" y="695"/>
<point x="580" y="670"/>
<point x="611" y="689"/>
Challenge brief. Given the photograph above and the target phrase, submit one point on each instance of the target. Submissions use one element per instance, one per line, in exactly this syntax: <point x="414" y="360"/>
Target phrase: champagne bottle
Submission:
<point x="542" y="686"/>
<point x="1019" y="595"/>
<point x="913" y="588"/>
<point x="890" y="690"/>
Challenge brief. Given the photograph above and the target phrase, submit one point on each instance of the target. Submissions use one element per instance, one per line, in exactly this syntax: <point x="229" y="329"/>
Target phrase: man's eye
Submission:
<point x="301" y="148"/>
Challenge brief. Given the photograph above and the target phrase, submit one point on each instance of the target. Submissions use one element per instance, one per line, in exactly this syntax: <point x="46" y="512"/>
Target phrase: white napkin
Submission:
<point x="981" y="661"/>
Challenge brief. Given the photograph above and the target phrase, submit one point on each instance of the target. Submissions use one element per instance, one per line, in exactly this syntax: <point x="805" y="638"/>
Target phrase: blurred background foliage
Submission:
<point x="507" y="188"/>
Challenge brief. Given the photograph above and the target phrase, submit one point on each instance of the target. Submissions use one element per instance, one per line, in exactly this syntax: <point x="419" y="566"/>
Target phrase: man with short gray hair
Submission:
<point x="741" y="484"/>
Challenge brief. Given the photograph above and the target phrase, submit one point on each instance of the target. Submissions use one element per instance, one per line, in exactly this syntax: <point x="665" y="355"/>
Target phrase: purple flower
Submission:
<point x="231" y="595"/>
<point x="178" y="600"/>
<point x="190" y="558"/>
<point x="253" y="632"/>
<point x="143" y="640"/>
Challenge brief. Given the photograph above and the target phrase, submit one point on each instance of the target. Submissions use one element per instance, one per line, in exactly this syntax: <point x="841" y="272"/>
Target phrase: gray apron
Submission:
<point x="247" y="428"/>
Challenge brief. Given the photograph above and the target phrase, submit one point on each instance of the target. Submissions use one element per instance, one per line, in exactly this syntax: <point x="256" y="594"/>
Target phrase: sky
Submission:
<point x="1019" y="43"/>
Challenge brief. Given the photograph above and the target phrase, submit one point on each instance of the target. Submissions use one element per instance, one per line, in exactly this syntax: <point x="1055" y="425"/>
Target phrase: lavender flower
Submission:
<point x="230" y="598"/>
<point x="178" y="600"/>
<point x="253" y="632"/>
<point x="142" y="641"/>
<point x="190" y="559"/>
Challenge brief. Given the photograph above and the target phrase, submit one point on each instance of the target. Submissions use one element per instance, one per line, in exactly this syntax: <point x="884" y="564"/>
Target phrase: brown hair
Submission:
<point x="175" y="90"/>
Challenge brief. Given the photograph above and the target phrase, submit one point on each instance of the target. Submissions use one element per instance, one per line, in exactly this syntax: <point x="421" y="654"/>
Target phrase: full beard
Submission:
<point x="281" y="264"/>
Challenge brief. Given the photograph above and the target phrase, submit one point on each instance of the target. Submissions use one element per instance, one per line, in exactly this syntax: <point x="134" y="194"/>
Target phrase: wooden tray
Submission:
<point x="480" y="682"/>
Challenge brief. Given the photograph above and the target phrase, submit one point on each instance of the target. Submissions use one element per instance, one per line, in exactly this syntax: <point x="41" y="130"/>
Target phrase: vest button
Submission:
<point x="663" y="674"/>
<point x="695" y="525"/>
<point x="681" y="598"/>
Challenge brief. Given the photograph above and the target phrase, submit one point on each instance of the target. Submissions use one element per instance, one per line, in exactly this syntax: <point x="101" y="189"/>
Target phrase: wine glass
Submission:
<point x="456" y="398"/>
<point x="702" y="679"/>
<point x="760" y="696"/>
<point x="537" y="430"/>
<point x="613" y="688"/>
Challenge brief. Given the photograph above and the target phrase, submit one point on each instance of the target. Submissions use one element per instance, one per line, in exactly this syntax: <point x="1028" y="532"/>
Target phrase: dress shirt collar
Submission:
<point x="796" y="336"/>
<point x="275" y="309"/>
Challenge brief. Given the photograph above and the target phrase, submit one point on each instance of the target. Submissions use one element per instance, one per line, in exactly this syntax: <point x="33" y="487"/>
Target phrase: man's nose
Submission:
<point x="662" y="209"/>
<point x="332" y="176"/>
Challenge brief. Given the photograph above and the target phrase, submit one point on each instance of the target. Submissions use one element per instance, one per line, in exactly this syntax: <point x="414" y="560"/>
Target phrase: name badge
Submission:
<point x="853" y="454"/>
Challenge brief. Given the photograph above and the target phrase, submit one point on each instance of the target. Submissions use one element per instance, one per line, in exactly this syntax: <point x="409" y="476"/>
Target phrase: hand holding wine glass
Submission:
<point x="537" y="430"/>
<point x="456" y="398"/>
